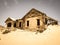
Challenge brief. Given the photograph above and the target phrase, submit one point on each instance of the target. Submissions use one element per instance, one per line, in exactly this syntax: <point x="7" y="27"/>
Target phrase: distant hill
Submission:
<point x="2" y="27"/>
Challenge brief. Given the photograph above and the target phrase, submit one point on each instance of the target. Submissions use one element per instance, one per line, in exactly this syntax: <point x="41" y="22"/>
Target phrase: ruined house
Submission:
<point x="34" y="20"/>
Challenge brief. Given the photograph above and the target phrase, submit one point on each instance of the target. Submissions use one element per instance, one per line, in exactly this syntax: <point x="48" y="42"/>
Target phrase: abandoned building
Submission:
<point x="34" y="20"/>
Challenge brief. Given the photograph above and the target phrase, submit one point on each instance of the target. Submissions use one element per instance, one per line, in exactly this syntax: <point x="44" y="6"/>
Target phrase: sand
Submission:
<point x="51" y="36"/>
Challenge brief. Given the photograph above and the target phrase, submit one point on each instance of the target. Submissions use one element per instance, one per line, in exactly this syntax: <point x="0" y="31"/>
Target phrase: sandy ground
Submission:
<point x="51" y="36"/>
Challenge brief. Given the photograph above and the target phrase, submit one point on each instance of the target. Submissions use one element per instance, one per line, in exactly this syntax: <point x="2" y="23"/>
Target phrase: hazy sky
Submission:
<point x="18" y="8"/>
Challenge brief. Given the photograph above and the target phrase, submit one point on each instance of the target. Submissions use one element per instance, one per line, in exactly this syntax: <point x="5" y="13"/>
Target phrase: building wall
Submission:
<point x="10" y="22"/>
<point x="12" y="25"/>
<point x="33" y="23"/>
<point x="17" y="24"/>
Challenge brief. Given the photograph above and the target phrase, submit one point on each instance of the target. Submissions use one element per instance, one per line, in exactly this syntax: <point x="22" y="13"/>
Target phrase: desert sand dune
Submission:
<point x="51" y="36"/>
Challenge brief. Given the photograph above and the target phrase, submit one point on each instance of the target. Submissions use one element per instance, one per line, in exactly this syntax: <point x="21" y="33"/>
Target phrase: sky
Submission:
<point x="18" y="8"/>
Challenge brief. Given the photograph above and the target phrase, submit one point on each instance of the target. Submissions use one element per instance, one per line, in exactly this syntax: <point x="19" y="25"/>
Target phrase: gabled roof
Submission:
<point x="9" y="19"/>
<point x="18" y="19"/>
<point x="33" y="9"/>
